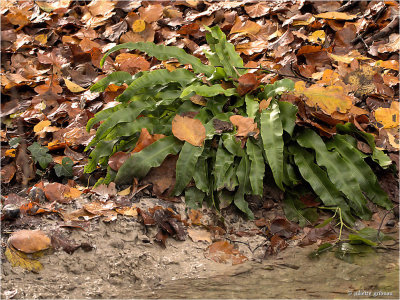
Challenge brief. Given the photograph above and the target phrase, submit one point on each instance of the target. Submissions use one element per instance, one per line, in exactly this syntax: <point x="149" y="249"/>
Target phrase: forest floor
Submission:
<point x="109" y="243"/>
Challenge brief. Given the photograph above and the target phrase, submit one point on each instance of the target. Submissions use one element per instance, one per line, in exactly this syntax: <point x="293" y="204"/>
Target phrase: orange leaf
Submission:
<point x="334" y="15"/>
<point x="246" y="126"/>
<point x="387" y="117"/>
<point x="138" y="25"/>
<point x="189" y="130"/>
<point x="222" y="251"/>
<point x="146" y="139"/>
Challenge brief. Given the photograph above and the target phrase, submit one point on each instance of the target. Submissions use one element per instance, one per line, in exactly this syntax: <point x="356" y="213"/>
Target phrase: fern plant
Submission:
<point x="225" y="166"/>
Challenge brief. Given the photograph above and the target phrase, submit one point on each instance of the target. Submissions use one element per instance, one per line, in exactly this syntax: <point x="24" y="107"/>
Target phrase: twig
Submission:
<point x="347" y="6"/>
<point x="380" y="225"/>
<point x="391" y="27"/>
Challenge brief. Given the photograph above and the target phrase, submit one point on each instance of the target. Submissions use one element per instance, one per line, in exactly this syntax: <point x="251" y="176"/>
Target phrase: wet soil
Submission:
<point x="127" y="263"/>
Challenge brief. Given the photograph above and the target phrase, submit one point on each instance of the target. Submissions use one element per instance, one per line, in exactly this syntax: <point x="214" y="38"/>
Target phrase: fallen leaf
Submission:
<point x="257" y="10"/>
<point x="145" y="139"/>
<point x="198" y="235"/>
<point x="73" y="87"/>
<point x="334" y="15"/>
<point x="19" y="259"/>
<point x="8" y="172"/>
<point x="195" y="216"/>
<point x="139" y="25"/>
<point x="29" y="241"/>
<point x="283" y="227"/>
<point x="189" y="130"/>
<point x="127" y="211"/>
<point x="329" y="99"/>
<point x="388" y="64"/>
<point x="247" y="83"/>
<point x="125" y="192"/>
<point x="56" y="192"/>
<point x="118" y="159"/>
<point x="10" y="152"/>
<point x="277" y="245"/>
<point x="246" y="28"/>
<point x="246" y="126"/>
<point x="223" y="252"/>
<point x="317" y="37"/>
<point x="387" y="117"/>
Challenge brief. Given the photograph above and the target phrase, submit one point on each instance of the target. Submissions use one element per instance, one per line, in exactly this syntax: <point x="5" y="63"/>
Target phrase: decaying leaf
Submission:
<point x="199" y="235"/>
<point x="246" y="126"/>
<point x="224" y="252"/>
<point x="387" y="117"/>
<point x="247" y="83"/>
<point x="189" y="130"/>
<point x="19" y="259"/>
<point x="329" y="99"/>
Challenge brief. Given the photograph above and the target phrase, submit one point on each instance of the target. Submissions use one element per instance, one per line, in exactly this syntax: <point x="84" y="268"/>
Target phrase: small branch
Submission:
<point x="348" y="5"/>
<point x="380" y="225"/>
<point x="391" y="27"/>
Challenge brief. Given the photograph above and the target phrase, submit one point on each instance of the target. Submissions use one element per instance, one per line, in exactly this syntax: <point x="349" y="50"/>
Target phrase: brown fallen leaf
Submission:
<point x="247" y="83"/>
<point x="56" y="192"/>
<point x="246" y="126"/>
<point x="283" y="227"/>
<point x="189" y="130"/>
<point x="198" y="235"/>
<point x="277" y="245"/>
<point x="29" y="241"/>
<point x="117" y="160"/>
<point x="8" y="172"/>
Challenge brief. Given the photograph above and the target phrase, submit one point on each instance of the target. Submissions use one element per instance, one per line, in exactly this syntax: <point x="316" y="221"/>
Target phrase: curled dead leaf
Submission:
<point x="223" y="252"/>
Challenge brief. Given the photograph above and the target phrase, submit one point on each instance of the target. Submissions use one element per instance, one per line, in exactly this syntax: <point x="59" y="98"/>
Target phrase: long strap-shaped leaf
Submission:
<point x="226" y="52"/>
<point x="116" y="78"/>
<point x="139" y="164"/>
<point x="129" y="114"/>
<point x="377" y="155"/>
<point x="242" y="174"/>
<point x="223" y="161"/>
<point x="185" y="166"/>
<point x="103" y="148"/>
<point x="162" y="52"/>
<point x="364" y="175"/>
<point x="319" y="181"/>
<point x="156" y="77"/>
<point x="287" y="112"/>
<point x="339" y="171"/>
<point x="208" y="91"/>
<point x="271" y="134"/>
<point x="128" y="129"/>
<point x="257" y="167"/>
<point x="102" y="115"/>
<point x="201" y="177"/>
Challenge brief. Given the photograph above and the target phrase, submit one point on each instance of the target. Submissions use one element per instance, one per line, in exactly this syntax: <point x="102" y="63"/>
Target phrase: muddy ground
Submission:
<point x="127" y="262"/>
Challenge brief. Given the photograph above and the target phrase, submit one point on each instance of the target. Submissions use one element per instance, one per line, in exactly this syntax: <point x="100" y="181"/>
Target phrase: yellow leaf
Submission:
<point x="189" y="130"/>
<point x="138" y="25"/>
<point x="329" y="99"/>
<point x="10" y="152"/>
<point x="73" y="87"/>
<point x="387" y="117"/>
<point x="334" y="15"/>
<point x="73" y="193"/>
<point x="41" y="125"/>
<point x="19" y="259"/>
<point x="393" y="141"/>
<point x="317" y="37"/>
<point x="127" y="211"/>
<point x="41" y="38"/>
<point x="125" y="192"/>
